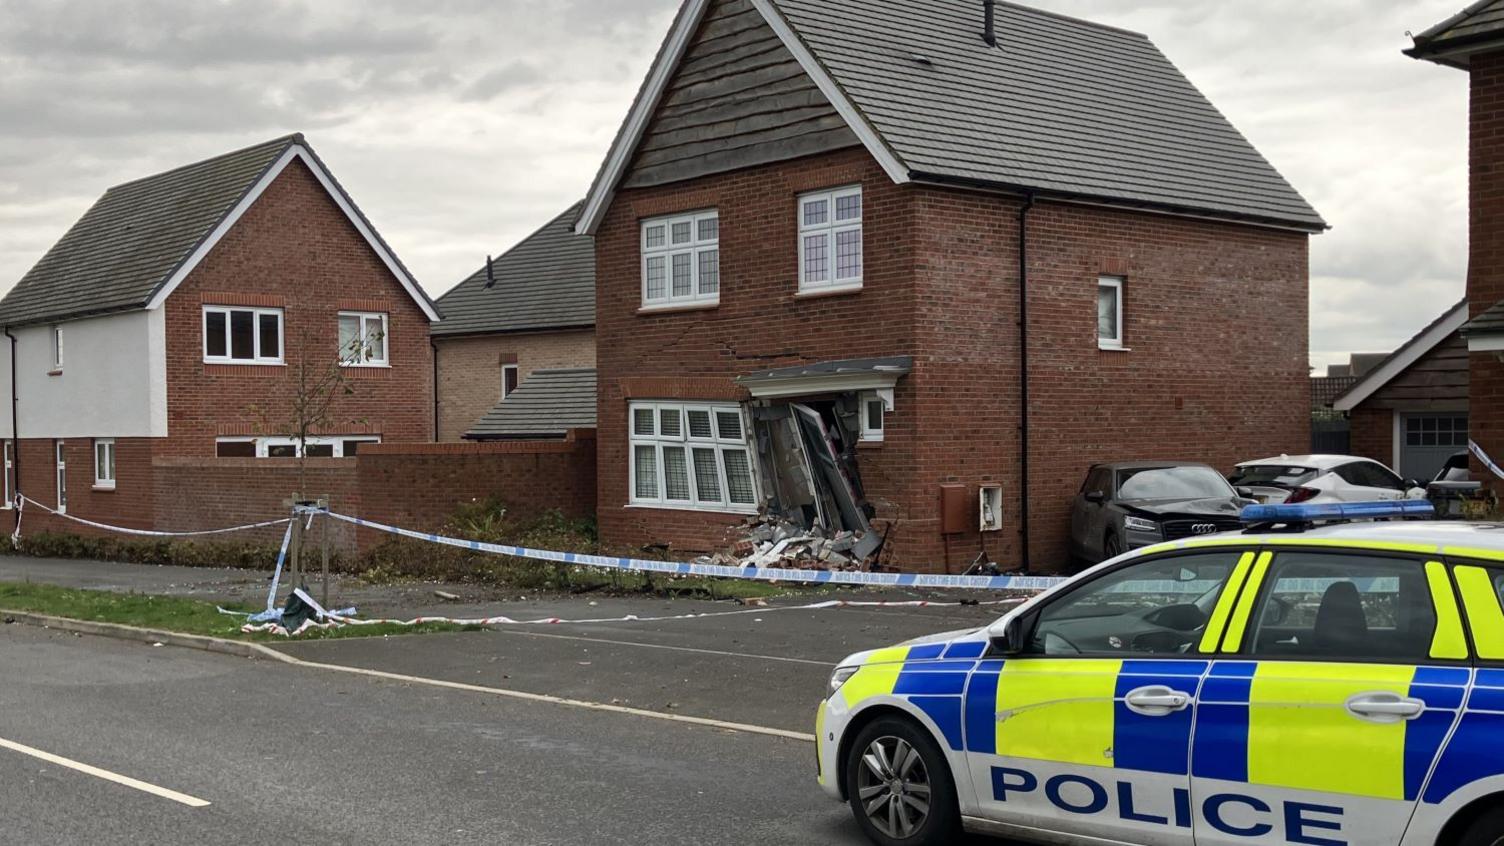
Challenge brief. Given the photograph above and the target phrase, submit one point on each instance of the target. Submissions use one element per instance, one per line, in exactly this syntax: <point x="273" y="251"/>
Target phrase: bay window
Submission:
<point x="690" y="456"/>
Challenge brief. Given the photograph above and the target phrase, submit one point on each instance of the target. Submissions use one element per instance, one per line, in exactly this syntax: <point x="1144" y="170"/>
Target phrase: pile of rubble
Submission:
<point x="766" y="541"/>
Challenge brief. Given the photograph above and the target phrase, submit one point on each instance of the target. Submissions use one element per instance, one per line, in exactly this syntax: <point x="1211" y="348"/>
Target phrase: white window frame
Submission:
<point x="62" y="476"/>
<point x="690" y="443"/>
<point x="695" y="247"/>
<point x="57" y="349"/>
<point x="10" y="471"/>
<point x="264" y="445"/>
<point x="364" y="318"/>
<point x="257" y="313"/>
<point x="870" y="434"/>
<point x="104" y="476"/>
<point x="832" y="229"/>
<point x="505" y="369"/>
<point x="1116" y="284"/>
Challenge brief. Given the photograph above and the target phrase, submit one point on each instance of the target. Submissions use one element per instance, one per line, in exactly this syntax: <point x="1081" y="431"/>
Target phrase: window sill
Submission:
<point x="646" y="506"/>
<point x="383" y="366"/>
<point x="869" y="444"/>
<point x="56" y="372"/>
<point x="1111" y="348"/>
<point x="822" y="293"/>
<point x="678" y="307"/>
<point x="234" y="362"/>
<point x="108" y="488"/>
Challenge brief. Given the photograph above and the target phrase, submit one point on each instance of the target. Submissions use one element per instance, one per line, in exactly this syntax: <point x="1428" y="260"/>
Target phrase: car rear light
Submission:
<point x="1302" y="495"/>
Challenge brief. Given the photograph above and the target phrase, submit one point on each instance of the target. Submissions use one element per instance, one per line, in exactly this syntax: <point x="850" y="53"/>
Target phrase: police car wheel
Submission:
<point x="1487" y="830"/>
<point x="900" y="786"/>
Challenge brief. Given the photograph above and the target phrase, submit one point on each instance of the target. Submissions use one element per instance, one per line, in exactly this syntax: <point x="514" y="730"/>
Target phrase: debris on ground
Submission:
<point x="447" y="596"/>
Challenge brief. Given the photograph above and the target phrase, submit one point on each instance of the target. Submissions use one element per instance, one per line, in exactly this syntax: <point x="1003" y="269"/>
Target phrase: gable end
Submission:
<point x="738" y="99"/>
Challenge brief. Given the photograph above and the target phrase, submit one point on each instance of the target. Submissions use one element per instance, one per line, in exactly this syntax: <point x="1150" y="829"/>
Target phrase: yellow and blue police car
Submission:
<point x="1311" y="680"/>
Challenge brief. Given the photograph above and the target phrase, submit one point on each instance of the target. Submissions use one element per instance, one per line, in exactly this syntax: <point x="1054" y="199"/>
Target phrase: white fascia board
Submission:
<point x="839" y="383"/>
<point x="853" y="116"/>
<point x="296" y="151"/>
<point x="620" y="155"/>
<point x="1485" y="343"/>
<point x="1402" y="359"/>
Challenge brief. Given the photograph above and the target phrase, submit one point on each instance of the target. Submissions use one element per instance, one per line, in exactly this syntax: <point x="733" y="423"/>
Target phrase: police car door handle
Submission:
<point x="1384" y="707"/>
<point x="1156" y="701"/>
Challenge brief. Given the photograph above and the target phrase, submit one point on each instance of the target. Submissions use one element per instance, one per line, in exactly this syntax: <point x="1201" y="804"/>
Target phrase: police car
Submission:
<point x="1302" y="682"/>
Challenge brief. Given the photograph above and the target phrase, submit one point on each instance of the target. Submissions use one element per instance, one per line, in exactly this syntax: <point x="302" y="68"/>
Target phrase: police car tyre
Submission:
<point x="1487" y="830"/>
<point x="899" y="785"/>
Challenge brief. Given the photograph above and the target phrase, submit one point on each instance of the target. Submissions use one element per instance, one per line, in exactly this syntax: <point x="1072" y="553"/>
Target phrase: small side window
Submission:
<point x="1344" y="607"/>
<point x="1159" y="608"/>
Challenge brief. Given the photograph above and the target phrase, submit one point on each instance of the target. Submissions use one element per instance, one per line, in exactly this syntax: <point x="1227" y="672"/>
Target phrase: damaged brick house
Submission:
<point x="143" y="343"/>
<point x="1473" y="41"/>
<point x="917" y="266"/>
<point x="528" y="313"/>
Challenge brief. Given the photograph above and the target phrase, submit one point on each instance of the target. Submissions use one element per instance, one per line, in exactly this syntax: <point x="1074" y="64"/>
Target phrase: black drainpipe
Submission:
<point x="989" y="22"/>
<point x="1023" y="372"/>
<point x="435" y="347"/>
<point x="15" y="426"/>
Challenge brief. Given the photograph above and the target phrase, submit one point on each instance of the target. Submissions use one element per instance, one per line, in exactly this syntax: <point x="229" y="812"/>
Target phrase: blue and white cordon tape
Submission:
<point x="761" y="574"/>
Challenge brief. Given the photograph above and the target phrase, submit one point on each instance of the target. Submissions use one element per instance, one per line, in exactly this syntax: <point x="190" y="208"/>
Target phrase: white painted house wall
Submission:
<point x="113" y="382"/>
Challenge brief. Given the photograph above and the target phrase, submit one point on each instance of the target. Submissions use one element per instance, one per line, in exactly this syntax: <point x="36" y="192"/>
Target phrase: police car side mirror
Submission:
<point x="1008" y="639"/>
<point x="1246" y="493"/>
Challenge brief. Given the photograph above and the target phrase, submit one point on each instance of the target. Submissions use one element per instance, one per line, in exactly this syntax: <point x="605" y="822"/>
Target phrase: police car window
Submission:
<point x="1344" y="607"/>
<point x="1153" y="608"/>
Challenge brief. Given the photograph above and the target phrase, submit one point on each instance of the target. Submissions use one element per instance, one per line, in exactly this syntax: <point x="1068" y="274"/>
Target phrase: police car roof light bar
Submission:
<point x="1305" y="514"/>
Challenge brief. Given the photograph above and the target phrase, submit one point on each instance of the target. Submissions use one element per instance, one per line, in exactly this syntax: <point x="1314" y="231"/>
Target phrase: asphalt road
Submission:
<point x="285" y="752"/>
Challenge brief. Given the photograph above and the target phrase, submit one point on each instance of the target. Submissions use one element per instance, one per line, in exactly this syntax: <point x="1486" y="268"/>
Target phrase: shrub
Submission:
<point x="181" y="553"/>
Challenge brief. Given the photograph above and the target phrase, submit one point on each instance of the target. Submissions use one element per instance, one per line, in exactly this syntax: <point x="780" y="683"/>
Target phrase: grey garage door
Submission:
<point x="1428" y="440"/>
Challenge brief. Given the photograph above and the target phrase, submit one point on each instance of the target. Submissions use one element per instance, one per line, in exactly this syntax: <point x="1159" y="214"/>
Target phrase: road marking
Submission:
<point x="782" y="658"/>
<point x="744" y="728"/>
<point x="181" y="798"/>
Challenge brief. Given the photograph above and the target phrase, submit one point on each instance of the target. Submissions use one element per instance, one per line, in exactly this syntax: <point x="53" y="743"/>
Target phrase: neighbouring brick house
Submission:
<point x="158" y="341"/>
<point x="1410" y="411"/>
<point x="532" y="309"/>
<point x="1473" y="41"/>
<point x="810" y="237"/>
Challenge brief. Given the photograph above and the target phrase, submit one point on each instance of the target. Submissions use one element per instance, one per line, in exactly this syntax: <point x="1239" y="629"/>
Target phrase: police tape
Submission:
<point x="760" y="574"/>
<point x="339" y="619"/>
<point x="1484" y="459"/>
<point x="22" y="499"/>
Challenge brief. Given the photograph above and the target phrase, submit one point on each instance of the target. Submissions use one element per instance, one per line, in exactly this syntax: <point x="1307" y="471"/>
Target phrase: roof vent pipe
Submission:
<point x="989" y="17"/>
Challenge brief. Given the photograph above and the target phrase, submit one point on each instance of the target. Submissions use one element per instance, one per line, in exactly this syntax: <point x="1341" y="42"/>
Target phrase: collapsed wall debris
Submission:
<point x="814" y="514"/>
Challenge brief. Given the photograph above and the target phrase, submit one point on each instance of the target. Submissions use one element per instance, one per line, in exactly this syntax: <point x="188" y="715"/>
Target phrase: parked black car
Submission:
<point x="1129" y="504"/>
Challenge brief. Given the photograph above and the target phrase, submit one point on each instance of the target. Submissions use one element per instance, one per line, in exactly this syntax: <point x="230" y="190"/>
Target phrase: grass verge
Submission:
<point x="170" y="613"/>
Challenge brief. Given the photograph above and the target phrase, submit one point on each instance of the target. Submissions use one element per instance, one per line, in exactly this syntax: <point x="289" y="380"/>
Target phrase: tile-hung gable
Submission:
<point x="1060" y="108"/>
<point x="133" y="247"/>
<point x="545" y="282"/>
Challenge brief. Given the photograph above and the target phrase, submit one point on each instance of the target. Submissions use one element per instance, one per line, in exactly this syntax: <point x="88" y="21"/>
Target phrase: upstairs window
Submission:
<point x="57" y="348"/>
<point x="1110" y="313"/>
<point x="242" y="335"/>
<point x="362" y="339"/>
<point x="681" y="260"/>
<point x="830" y="240"/>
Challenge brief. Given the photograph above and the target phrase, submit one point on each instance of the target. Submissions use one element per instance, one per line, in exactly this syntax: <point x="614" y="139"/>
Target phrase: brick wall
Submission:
<point x="941" y="285"/>
<point x="1372" y="433"/>
<point x="470" y="370"/>
<point x="294" y="249"/>
<point x="194" y="494"/>
<point x="129" y="504"/>
<point x="420" y="485"/>
<point x="1485" y="279"/>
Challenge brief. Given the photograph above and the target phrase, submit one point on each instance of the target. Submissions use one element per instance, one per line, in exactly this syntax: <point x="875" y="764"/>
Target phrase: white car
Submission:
<point x="1322" y="478"/>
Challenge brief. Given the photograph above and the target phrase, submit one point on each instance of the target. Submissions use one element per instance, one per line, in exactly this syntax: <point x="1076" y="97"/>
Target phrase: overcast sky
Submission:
<point x="462" y="125"/>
